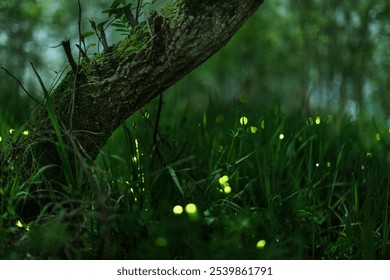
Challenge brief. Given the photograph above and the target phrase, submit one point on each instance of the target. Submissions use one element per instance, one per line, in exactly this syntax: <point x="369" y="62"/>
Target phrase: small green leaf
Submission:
<point x="117" y="12"/>
<point x="87" y="34"/>
<point x="101" y="25"/>
<point x="126" y="31"/>
<point x="118" y="24"/>
<point x="93" y="24"/>
<point x="116" y="3"/>
<point x="175" y="179"/>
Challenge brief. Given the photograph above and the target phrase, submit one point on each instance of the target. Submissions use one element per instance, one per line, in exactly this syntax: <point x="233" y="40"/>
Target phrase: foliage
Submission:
<point x="308" y="55"/>
<point x="311" y="188"/>
<point x="236" y="175"/>
<point x="18" y="22"/>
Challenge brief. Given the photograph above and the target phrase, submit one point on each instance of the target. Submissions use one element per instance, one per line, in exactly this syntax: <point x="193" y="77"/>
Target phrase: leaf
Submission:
<point x="116" y="3"/>
<point x="117" y="12"/>
<point x="101" y="24"/>
<point x="244" y="158"/>
<point x="175" y="180"/>
<point x="93" y="24"/>
<point x="126" y="31"/>
<point x="119" y="24"/>
<point x="88" y="34"/>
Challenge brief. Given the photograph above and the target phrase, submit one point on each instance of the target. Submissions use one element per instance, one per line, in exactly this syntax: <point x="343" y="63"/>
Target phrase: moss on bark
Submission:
<point x="112" y="85"/>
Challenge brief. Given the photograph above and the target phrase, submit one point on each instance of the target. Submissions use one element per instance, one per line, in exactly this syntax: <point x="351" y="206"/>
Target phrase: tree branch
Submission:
<point x="20" y="84"/>
<point x="111" y="86"/>
<point x="129" y="16"/>
<point x="69" y="56"/>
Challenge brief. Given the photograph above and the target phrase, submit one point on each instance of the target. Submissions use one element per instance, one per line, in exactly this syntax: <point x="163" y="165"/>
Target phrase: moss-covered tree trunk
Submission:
<point x="111" y="86"/>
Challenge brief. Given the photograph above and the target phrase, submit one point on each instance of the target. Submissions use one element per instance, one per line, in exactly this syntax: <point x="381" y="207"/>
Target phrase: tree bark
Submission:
<point x="111" y="86"/>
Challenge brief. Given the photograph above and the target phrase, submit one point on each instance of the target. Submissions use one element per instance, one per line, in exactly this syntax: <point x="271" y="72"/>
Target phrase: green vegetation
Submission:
<point x="276" y="148"/>
<point x="239" y="181"/>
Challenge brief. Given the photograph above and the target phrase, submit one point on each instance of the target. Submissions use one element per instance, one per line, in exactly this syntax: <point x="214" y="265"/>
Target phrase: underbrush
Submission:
<point x="236" y="182"/>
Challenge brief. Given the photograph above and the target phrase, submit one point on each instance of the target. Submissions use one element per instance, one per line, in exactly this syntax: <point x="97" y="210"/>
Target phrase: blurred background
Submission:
<point x="329" y="56"/>
<point x="294" y="113"/>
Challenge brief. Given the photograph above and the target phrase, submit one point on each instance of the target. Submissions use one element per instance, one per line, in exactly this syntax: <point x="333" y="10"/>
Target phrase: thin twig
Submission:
<point x="73" y="96"/>
<point x="129" y="16"/>
<point x="79" y="26"/>
<point x="21" y="85"/>
<point x="159" y="108"/>
<point x="45" y="91"/>
<point x="156" y="131"/>
<point x="103" y="38"/>
<point x="58" y="76"/>
<point x="82" y="52"/>
<point x="68" y="53"/>
<point x="81" y="37"/>
<point x="138" y="9"/>
<point x="166" y="167"/>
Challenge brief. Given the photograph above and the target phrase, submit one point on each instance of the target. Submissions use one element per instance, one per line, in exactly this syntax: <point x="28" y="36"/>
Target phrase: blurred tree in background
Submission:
<point x="306" y="55"/>
<point x="19" y="22"/>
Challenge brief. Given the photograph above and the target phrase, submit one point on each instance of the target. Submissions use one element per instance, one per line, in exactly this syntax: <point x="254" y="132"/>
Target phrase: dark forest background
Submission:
<point x="294" y="111"/>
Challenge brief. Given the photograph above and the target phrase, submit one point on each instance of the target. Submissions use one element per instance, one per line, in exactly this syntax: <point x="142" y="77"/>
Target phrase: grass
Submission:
<point x="235" y="182"/>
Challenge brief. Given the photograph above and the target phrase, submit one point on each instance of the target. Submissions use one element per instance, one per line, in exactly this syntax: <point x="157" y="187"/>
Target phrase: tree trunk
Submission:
<point x="111" y="86"/>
